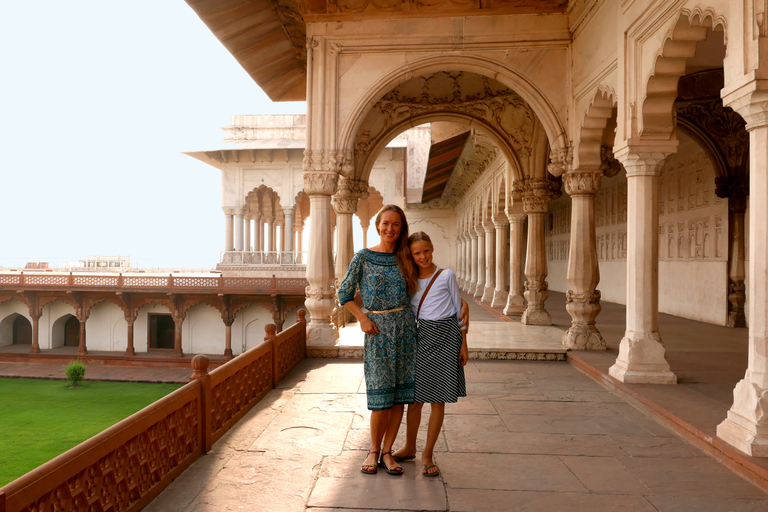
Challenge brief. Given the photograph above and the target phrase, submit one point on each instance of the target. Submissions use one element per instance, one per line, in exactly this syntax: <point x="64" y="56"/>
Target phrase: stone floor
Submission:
<point x="533" y="436"/>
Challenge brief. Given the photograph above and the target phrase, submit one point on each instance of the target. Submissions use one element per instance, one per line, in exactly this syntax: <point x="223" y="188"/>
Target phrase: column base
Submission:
<point x="641" y="360"/>
<point x="499" y="298"/>
<point x="515" y="305"/>
<point x="488" y="294"/>
<point x="746" y="427"/>
<point x="178" y="353"/>
<point x="130" y="352"/>
<point x="34" y="349"/>
<point x="321" y="334"/>
<point x="228" y="353"/>
<point x="583" y="338"/>
<point x="81" y="351"/>
<point x="533" y="316"/>
<point x="477" y="292"/>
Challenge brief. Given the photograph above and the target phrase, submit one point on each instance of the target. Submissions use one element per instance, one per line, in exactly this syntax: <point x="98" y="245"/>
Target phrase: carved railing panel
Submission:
<point x="239" y="385"/>
<point x="290" y="350"/>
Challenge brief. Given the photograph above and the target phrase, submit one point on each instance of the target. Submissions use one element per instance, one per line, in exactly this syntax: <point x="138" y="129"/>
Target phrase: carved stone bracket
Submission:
<point x="536" y="194"/>
<point x="582" y="181"/>
<point x="561" y="160"/>
<point x="348" y="193"/>
<point x="608" y="164"/>
<point x="320" y="183"/>
<point x="736" y="189"/>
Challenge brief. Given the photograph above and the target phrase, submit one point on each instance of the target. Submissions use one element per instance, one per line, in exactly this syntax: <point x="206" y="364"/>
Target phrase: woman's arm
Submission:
<point x="365" y="323"/>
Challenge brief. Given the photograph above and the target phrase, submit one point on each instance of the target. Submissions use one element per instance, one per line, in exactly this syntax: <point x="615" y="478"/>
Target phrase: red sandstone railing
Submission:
<point x="143" y="283"/>
<point x="126" y="466"/>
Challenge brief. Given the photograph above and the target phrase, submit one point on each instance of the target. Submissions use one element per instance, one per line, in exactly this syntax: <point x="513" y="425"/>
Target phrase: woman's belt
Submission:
<point x="388" y="310"/>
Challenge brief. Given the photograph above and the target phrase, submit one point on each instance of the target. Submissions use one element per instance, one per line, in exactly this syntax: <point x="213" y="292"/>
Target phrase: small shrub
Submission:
<point x="75" y="372"/>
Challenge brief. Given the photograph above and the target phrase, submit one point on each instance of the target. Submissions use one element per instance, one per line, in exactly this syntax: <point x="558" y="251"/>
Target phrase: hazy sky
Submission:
<point x="97" y="101"/>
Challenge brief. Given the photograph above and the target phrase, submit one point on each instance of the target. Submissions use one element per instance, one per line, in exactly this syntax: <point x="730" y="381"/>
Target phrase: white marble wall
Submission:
<point x="693" y="238"/>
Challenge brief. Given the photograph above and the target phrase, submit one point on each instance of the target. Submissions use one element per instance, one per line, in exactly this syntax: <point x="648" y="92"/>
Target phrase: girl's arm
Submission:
<point x="464" y="352"/>
<point x="460" y="304"/>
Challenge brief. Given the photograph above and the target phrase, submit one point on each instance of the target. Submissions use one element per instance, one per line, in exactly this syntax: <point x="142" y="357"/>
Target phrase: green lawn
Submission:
<point x="40" y="419"/>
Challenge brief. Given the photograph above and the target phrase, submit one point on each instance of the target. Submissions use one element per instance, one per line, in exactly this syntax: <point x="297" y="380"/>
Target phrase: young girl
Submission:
<point x="441" y="354"/>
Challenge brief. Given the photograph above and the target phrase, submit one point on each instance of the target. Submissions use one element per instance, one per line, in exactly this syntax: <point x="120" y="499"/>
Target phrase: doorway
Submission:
<point x="161" y="332"/>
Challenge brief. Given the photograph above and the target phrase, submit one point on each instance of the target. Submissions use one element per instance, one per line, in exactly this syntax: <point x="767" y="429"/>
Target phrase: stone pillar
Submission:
<point x="228" y="339"/>
<point x="746" y="427"/>
<point x="81" y="347"/>
<point x="737" y="206"/>
<point x="467" y="261"/>
<point x="288" y="229"/>
<point x="238" y="230"/>
<point x="271" y="227"/>
<point x="345" y="205"/>
<point x="321" y="294"/>
<point x="247" y="229"/>
<point x="130" y="351"/>
<point x="477" y="291"/>
<point x="459" y="260"/>
<point x="490" y="261"/>
<point x="501" y="292"/>
<point x="583" y="299"/>
<point x="535" y="200"/>
<point x="35" y="348"/>
<point x="229" y="241"/>
<point x="472" y="262"/>
<point x="641" y="352"/>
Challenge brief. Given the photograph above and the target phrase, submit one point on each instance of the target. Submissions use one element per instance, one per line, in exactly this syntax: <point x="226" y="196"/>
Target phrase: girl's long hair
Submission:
<point x="402" y="252"/>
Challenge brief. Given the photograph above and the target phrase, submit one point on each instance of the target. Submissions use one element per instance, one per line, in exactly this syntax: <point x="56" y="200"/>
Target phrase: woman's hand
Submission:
<point x="464" y="354"/>
<point x="464" y="316"/>
<point x="368" y="326"/>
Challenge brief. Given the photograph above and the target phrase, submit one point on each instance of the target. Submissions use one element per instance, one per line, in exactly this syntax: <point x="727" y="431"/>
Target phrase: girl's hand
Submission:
<point x="464" y="355"/>
<point x="368" y="326"/>
<point x="464" y="316"/>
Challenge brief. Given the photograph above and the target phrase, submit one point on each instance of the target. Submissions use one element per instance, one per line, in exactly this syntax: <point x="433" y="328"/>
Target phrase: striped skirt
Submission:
<point x="439" y="378"/>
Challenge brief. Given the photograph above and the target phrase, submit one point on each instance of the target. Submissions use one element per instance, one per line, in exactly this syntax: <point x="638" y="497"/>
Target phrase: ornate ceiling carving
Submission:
<point x="351" y="7"/>
<point x="462" y="93"/>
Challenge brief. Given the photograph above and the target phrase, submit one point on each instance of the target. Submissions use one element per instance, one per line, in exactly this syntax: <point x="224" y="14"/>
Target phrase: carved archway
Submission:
<point x="597" y="133"/>
<point x="465" y="98"/>
<point x="692" y="27"/>
<point x="530" y="94"/>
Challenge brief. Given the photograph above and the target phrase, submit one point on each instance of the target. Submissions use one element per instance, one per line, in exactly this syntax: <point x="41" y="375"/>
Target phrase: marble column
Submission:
<point x="467" y="261"/>
<point x="500" y="291"/>
<point x="536" y="196"/>
<point x="477" y="291"/>
<point x="247" y="230"/>
<point x="737" y="206"/>
<point x="288" y="229"/>
<point x="459" y="260"/>
<point x="472" y="262"/>
<point x="35" y="348"/>
<point x="746" y="427"/>
<point x="229" y="240"/>
<point x="583" y="299"/>
<point x="490" y="261"/>
<point x="320" y="185"/>
<point x="81" y="347"/>
<point x="238" y="230"/>
<point x="345" y="205"/>
<point x="517" y="217"/>
<point x="272" y="234"/>
<point x="641" y="352"/>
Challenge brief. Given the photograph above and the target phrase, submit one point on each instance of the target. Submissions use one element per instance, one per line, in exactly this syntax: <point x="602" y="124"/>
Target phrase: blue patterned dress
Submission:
<point x="388" y="357"/>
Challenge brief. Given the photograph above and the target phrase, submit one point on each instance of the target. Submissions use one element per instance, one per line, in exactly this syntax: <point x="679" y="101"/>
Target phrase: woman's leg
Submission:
<point x="436" y="415"/>
<point x="395" y="417"/>
<point x="411" y="431"/>
<point x="379" y="422"/>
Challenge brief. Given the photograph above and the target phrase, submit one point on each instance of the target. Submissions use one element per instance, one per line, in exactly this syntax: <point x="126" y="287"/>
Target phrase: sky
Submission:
<point x="97" y="101"/>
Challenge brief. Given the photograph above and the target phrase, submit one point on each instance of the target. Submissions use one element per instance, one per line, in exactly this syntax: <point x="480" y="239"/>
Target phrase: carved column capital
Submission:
<point x="751" y="103"/>
<point x="321" y="172"/>
<point x="582" y="181"/>
<point x="643" y="163"/>
<point x="561" y="160"/>
<point x="536" y="194"/>
<point x="348" y="193"/>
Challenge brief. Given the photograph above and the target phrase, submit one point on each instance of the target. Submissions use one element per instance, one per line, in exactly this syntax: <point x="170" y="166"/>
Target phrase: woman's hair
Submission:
<point x="420" y="236"/>
<point x="403" y="253"/>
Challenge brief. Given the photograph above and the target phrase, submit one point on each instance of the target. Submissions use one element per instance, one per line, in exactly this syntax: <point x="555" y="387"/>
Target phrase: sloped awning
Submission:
<point x="443" y="157"/>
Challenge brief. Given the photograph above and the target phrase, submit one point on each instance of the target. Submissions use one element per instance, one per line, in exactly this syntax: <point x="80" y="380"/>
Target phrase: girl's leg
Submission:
<point x="436" y="415"/>
<point x="394" y="419"/>
<point x="411" y="431"/>
<point x="379" y="422"/>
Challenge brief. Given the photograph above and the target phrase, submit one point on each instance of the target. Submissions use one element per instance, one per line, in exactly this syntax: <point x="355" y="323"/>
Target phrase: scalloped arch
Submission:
<point x="657" y="117"/>
<point x="592" y="132"/>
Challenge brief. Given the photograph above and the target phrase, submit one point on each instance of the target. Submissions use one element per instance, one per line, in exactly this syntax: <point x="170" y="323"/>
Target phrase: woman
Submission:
<point x="385" y="275"/>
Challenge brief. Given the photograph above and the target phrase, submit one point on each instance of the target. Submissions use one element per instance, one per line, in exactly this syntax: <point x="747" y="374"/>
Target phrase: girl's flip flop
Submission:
<point x="426" y="469"/>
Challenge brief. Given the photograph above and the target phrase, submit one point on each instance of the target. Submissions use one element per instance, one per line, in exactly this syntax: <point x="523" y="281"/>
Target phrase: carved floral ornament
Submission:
<point x="536" y="194"/>
<point x="582" y="181"/>
<point x="347" y="195"/>
<point x="463" y="93"/>
<point x="561" y="160"/>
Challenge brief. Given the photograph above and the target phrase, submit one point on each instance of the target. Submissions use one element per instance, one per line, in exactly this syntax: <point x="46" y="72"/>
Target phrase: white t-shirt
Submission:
<point x="443" y="299"/>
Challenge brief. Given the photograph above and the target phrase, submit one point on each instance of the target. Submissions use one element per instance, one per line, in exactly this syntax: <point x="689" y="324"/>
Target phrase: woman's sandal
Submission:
<point x="402" y="458"/>
<point x="425" y="470"/>
<point x="370" y="469"/>
<point x="395" y="470"/>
